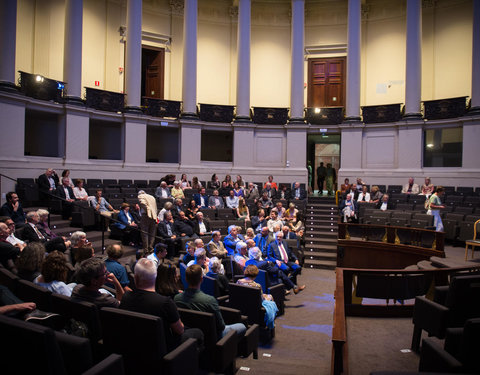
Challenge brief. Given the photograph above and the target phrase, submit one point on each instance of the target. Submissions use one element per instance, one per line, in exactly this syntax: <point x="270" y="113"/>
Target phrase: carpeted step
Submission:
<point x="320" y="247"/>
<point x="318" y="255"/>
<point x="448" y="262"/>
<point x="322" y="264"/>
<point x="425" y="265"/>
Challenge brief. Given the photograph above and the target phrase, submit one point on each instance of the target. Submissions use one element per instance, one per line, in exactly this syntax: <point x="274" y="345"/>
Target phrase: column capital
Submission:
<point x="365" y="9"/>
<point x="429" y="3"/>
<point x="177" y="7"/>
<point x="233" y="11"/>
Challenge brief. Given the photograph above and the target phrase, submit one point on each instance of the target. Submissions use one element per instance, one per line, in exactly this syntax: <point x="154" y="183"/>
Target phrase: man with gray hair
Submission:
<point x="144" y="299"/>
<point x="215" y="246"/>
<point x="93" y="274"/>
<point x="201" y="260"/>
<point x="148" y="220"/>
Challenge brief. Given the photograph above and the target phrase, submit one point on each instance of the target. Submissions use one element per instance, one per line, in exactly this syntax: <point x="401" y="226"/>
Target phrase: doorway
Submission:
<point x="326" y="82"/>
<point x="324" y="147"/>
<point x="153" y="71"/>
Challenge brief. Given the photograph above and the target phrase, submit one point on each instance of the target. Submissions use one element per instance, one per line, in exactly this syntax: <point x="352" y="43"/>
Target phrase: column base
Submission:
<point x="296" y="120"/>
<point x="133" y="110"/>
<point x="474" y="111"/>
<point x="352" y="119"/>
<point x="74" y="100"/>
<point x="412" y="116"/>
<point x="189" y="116"/>
<point x="8" y="86"/>
<point x="242" y="119"/>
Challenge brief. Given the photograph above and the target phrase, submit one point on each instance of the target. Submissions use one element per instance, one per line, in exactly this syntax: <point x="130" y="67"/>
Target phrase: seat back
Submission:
<point x="83" y="311"/>
<point x="29" y="292"/>
<point x="8" y="279"/>
<point x="76" y="352"/>
<point x="203" y="320"/>
<point x="183" y="269"/>
<point x="249" y="301"/>
<point x="31" y="348"/>
<point x="262" y="279"/>
<point x="463" y="299"/>
<point x="138" y="337"/>
<point x="210" y="286"/>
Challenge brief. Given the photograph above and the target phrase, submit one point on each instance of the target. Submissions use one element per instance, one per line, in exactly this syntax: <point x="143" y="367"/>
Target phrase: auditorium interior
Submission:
<point x="383" y="91"/>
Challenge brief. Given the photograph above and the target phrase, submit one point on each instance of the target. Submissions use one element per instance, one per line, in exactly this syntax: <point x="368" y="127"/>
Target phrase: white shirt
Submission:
<point x="14" y="240"/>
<point x="80" y="193"/>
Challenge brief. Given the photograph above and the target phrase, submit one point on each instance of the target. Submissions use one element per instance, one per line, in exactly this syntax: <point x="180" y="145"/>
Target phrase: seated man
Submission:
<point x="177" y="207"/>
<point x="162" y="191"/>
<point x="201" y="199"/>
<point x="13" y="209"/>
<point x="262" y="240"/>
<point x="190" y="254"/>
<point x="12" y="239"/>
<point x="348" y="209"/>
<point x="265" y="202"/>
<point x="145" y="300"/>
<point x="274" y="220"/>
<point x="166" y="230"/>
<point x="47" y="183"/>
<point x="252" y="192"/>
<point x="215" y="246"/>
<point x="201" y="260"/>
<point x="201" y="225"/>
<point x="193" y="298"/>
<point x="215" y="200"/>
<point x="65" y="192"/>
<point x="115" y="252"/>
<point x="274" y="273"/>
<point x="103" y="207"/>
<point x="232" y="200"/>
<point x="285" y="259"/>
<point x="8" y="252"/>
<point x="288" y="234"/>
<point x="270" y="182"/>
<point x="298" y="192"/>
<point x="183" y="227"/>
<point x="270" y="191"/>
<point x="159" y="255"/>
<point x="280" y="210"/>
<point x="241" y="253"/>
<point x="411" y="187"/>
<point x="259" y="221"/>
<point x="31" y="233"/>
<point x="230" y="241"/>
<point x="92" y="275"/>
<point x="284" y="193"/>
<point x="385" y="203"/>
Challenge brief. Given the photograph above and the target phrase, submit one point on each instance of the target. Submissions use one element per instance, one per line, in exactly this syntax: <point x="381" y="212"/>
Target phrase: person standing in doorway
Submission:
<point x="331" y="177"/>
<point x="321" y="174"/>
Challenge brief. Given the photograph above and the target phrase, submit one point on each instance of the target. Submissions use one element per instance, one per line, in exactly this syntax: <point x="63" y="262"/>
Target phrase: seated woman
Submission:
<point x="29" y="263"/>
<point x="167" y="280"/>
<point x="54" y="274"/>
<point x="228" y="180"/>
<point x="427" y="187"/>
<point x="290" y="214"/>
<point x="79" y="191"/>
<point x="215" y="182"/>
<point x="243" y="212"/>
<point x="60" y="243"/>
<point x="126" y="223"/>
<point x="184" y="182"/>
<point x="191" y="210"/>
<point x="77" y="240"/>
<point x="195" y="183"/>
<point x="249" y="234"/>
<point x="271" y="309"/>
<point x="177" y="191"/>
<point x="218" y="272"/>
<point x="237" y="190"/>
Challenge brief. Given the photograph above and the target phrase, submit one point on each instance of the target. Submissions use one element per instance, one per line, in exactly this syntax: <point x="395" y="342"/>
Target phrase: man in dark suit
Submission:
<point x="65" y="192"/>
<point x="201" y="199"/>
<point x="47" y="183"/>
<point x="271" y="192"/>
<point x="13" y="209"/>
<point x="201" y="225"/>
<point x="275" y="275"/>
<point x="166" y="230"/>
<point x="183" y="227"/>
<point x="298" y="192"/>
<point x="385" y="203"/>
<point x="284" y="258"/>
<point x="32" y="234"/>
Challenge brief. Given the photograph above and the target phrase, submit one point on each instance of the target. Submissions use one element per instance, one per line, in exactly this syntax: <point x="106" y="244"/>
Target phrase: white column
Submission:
<point x="189" y="85"/>
<point x="133" y="58"/>
<point x="413" y="82"/>
<point x="72" y="56"/>
<point x="8" y="37"/>
<point x="297" y="78"/>
<point x="352" y="112"/>
<point x="243" y="61"/>
<point x="476" y="58"/>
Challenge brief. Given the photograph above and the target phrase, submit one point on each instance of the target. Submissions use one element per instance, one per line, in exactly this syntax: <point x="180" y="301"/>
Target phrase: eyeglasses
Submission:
<point x="11" y="224"/>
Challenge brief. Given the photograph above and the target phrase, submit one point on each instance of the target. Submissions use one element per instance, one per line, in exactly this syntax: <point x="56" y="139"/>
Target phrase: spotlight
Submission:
<point x="317" y="110"/>
<point x="430" y="145"/>
<point x="60" y="86"/>
<point x="39" y="78"/>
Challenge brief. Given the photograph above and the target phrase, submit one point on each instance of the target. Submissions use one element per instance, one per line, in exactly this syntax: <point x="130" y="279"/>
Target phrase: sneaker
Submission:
<point x="298" y="289"/>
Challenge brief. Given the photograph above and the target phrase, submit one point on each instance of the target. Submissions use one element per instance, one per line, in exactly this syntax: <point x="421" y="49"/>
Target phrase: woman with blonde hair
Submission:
<point x="290" y="214"/>
<point x="242" y="210"/>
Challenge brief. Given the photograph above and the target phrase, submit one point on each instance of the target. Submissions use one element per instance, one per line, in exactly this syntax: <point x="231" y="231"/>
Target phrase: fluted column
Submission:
<point x="243" y="62"/>
<point x="413" y="81"/>
<point x="352" y="112"/>
<point x="297" y="77"/>
<point x="8" y="36"/>
<point x="72" y="56"/>
<point x="189" y="85"/>
<point x="476" y="58"/>
<point x="133" y="58"/>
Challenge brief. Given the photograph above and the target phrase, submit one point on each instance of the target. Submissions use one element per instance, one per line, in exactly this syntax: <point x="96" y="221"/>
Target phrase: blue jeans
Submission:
<point x="237" y="327"/>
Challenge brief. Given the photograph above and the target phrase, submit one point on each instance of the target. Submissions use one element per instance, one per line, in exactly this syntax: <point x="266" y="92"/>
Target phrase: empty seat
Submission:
<point x="463" y="210"/>
<point x="125" y="183"/>
<point x="422" y="216"/>
<point x="401" y="215"/>
<point x="128" y="190"/>
<point x="465" y="190"/>
<point x="141" y="183"/>
<point x="404" y="206"/>
<point x="394" y="189"/>
<point x="453" y="200"/>
<point x="110" y="182"/>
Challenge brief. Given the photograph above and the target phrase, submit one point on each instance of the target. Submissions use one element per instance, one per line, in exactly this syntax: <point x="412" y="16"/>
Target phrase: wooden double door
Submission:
<point x="326" y="82"/>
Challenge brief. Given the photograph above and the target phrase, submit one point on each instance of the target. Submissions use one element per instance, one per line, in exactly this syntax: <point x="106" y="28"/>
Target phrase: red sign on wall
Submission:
<point x="97" y="83"/>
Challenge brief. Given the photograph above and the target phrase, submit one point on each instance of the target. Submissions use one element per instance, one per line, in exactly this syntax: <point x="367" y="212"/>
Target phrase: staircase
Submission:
<point x="321" y="233"/>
